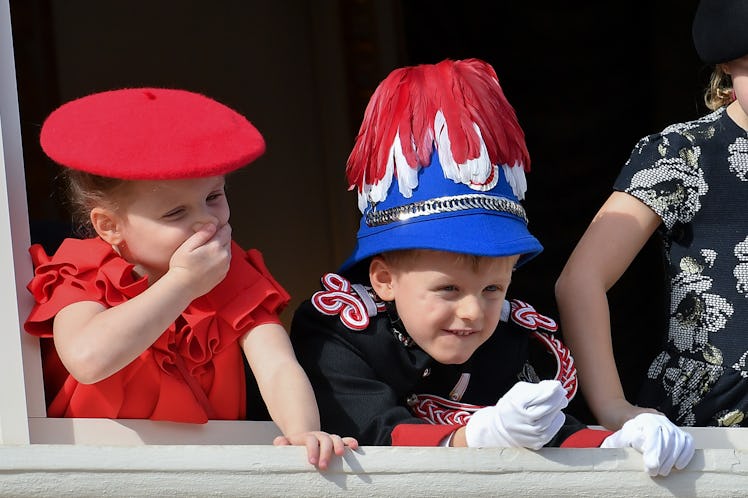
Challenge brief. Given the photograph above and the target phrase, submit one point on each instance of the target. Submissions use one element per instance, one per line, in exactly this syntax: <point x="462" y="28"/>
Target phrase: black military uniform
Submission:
<point x="369" y="377"/>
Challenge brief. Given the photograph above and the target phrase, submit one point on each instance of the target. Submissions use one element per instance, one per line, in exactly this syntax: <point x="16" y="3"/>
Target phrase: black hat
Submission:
<point x="719" y="30"/>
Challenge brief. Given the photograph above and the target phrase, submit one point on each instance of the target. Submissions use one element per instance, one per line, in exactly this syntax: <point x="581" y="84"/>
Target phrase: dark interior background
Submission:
<point x="587" y="79"/>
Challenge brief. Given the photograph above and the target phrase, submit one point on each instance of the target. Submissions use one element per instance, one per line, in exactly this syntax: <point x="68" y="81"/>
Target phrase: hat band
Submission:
<point x="444" y="205"/>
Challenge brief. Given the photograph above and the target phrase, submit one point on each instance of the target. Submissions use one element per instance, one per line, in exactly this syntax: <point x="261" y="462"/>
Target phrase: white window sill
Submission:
<point x="145" y="458"/>
<point x="261" y="470"/>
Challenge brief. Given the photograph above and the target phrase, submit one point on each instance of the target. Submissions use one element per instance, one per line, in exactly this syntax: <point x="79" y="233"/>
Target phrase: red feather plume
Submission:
<point x="406" y="103"/>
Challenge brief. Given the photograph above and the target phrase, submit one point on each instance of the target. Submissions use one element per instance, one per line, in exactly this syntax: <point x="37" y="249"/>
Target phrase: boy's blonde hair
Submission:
<point x="404" y="256"/>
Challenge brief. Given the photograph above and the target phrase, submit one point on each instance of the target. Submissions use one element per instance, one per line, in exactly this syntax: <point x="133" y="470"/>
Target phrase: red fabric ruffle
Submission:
<point x="193" y="372"/>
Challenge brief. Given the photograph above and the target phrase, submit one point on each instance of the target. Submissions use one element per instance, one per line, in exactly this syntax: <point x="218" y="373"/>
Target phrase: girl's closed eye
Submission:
<point x="174" y="214"/>
<point x="215" y="195"/>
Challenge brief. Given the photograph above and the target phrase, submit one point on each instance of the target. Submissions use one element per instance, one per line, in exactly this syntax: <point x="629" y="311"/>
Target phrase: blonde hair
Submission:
<point x="401" y="256"/>
<point x="86" y="191"/>
<point x="719" y="93"/>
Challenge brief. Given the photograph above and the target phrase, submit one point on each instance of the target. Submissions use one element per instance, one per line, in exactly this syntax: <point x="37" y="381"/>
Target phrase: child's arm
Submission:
<point x="616" y="235"/>
<point x="94" y="342"/>
<point x="288" y="394"/>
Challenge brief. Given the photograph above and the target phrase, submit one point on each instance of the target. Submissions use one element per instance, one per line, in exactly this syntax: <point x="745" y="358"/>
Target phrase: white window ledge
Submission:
<point x="237" y="468"/>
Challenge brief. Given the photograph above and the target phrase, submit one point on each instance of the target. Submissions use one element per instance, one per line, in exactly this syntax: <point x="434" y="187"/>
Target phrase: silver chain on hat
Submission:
<point x="446" y="204"/>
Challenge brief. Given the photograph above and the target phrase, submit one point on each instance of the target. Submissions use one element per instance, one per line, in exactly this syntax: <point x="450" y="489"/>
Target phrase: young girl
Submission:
<point x="151" y="315"/>
<point x="689" y="181"/>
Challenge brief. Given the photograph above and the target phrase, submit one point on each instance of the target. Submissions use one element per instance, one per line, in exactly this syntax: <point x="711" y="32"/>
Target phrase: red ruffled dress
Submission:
<point x="192" y="373"/>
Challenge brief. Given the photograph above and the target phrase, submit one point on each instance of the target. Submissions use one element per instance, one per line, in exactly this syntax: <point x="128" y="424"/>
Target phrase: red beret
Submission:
<point x="150" y="134"/>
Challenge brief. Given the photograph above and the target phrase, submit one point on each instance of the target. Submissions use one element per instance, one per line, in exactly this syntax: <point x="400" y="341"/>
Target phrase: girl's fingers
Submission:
<point x="320" y="446"/>
<point x="351" y="442"/>
<point x="313" y="451"/>
<point x="281" y="441"/>
<point x="326" y="449"/>
<point x="338" y="446"/>
<point x="201" y="236"/>
<point x="223" y="235"/>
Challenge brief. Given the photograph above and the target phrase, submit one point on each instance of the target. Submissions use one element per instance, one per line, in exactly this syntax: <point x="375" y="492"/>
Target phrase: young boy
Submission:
<point x="413" y="343"/>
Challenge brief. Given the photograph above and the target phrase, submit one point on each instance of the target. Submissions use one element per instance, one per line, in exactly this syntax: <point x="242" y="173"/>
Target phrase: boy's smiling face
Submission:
<point x="449" y="304"/>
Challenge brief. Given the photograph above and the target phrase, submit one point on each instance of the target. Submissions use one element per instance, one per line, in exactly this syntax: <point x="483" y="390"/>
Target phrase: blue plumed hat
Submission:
<point x="439" y="163"/>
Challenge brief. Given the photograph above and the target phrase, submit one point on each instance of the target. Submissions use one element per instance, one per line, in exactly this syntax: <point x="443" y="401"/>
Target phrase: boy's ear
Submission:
<point x="105" y="222"/>
<point x="380" y="276"/>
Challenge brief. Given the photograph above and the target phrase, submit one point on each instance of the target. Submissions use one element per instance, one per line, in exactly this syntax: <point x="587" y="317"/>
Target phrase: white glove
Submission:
<point x="661" y="443"/>
<point x="527" y="416"/>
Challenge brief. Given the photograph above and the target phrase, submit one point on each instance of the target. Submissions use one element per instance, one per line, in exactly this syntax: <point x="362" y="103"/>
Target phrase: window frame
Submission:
<point x="21" y="399"/>
<point x="23" y="417"/>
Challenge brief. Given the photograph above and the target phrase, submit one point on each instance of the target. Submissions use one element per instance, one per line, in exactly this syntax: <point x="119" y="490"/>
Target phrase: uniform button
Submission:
<point x="427" y="372"/>
<point x="412" y="399"/>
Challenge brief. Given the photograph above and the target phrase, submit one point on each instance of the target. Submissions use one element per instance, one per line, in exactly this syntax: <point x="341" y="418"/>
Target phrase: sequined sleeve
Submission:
<point x="665" y="172"/>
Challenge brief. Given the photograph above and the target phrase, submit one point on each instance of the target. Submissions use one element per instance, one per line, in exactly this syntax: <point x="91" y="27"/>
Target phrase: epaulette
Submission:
<point x="353" y="303"/>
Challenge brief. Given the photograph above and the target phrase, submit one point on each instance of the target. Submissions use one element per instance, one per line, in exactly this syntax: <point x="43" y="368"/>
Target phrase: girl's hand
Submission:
<point x="320" y="446"/>
<point x="203" y="259"/>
